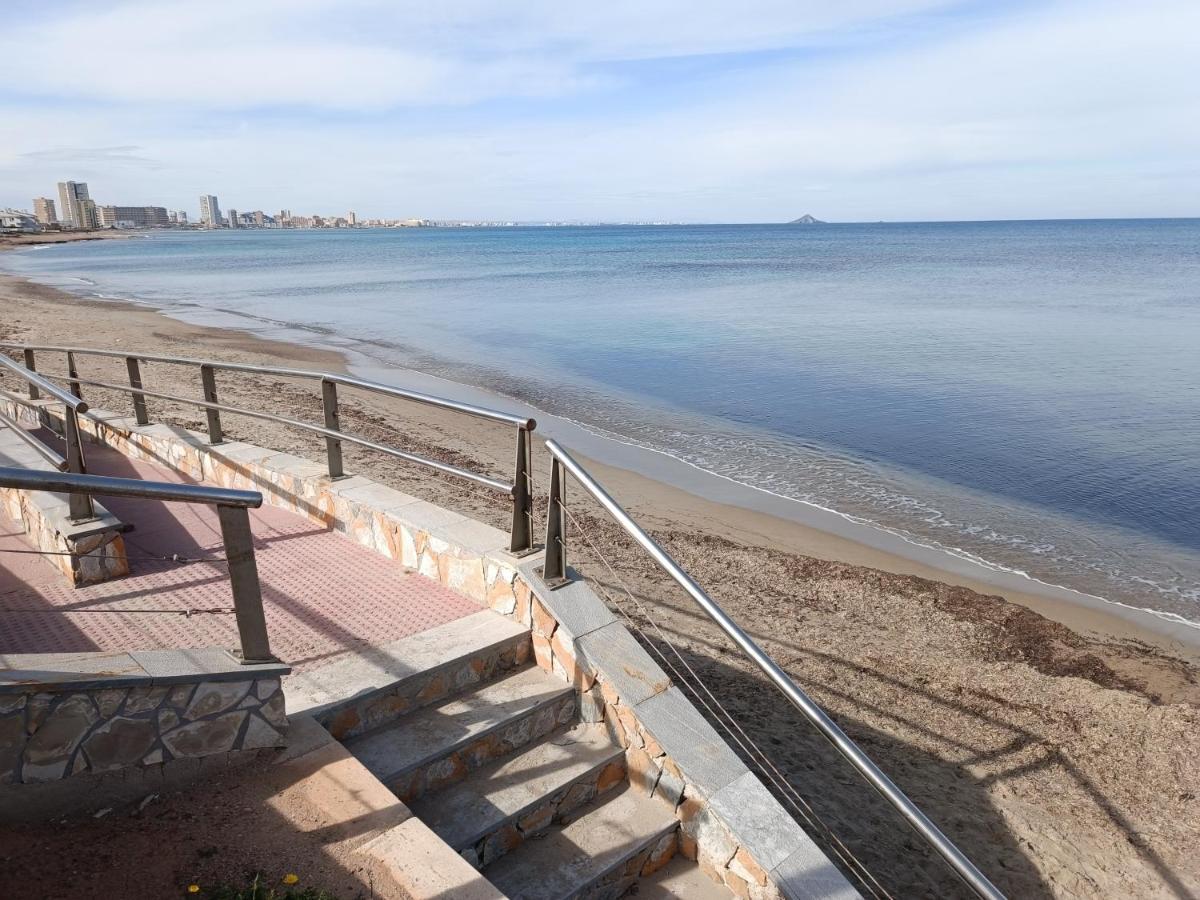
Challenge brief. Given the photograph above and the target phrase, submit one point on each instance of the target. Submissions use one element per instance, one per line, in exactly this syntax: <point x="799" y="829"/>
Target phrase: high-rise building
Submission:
<point x="351" y="219"/>
<point x="43" y="209"/>
<point x="133" y="216"/>
<point x="182" y="217"/>
<point x="233" y="219"/>
<point x="70" y="195"/>
<point x="210" y="211"/>
<point x="87" y="215"/>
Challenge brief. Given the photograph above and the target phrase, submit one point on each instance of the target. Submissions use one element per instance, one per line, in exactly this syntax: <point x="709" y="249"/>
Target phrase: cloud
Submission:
<point x="373" y="55"/>
<point x="125" y="153"/>
<point x="1068" y="109"/>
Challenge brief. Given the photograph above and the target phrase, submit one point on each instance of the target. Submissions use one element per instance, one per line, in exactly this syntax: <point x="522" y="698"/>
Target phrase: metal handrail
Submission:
<point x="232" y="512"/>
<point x="46" y="453"/>
<point x="555" y="573"/>
<point x="135" y="488"/>
<point x="521" y="539"/>
<point x="79" y="503"/>
<point x="492" y="483"/>
<point x="40" y="382"/>
<point x="336" y="378"/>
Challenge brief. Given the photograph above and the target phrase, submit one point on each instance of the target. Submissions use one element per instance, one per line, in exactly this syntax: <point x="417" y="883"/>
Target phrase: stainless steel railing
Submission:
<point x="555" y="574"/>
<point x="232" y="513"/>
<point x="521" y="534"/>
<point x="49" y="454"/>
<point x="80" y="505"/>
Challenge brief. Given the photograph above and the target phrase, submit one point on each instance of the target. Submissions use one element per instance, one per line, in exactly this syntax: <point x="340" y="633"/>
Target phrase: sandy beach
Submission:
<point x="1054" y="742"/>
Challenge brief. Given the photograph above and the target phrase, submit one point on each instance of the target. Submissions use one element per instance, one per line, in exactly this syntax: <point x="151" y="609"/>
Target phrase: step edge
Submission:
<point x="508" y="818"/>
<point x="446" y="749"/>
<point x="669" y="824"/>
<point x="306" y="702"/>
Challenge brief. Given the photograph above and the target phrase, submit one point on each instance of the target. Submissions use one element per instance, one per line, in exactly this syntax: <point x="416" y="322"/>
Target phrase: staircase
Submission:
<point x="503" y="772"/>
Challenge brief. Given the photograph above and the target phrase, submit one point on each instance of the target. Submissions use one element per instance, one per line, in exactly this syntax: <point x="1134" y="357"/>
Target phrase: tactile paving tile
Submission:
<point x="323" y="594"/>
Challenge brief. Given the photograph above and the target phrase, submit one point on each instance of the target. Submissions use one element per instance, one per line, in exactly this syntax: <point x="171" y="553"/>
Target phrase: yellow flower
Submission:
<point x="193" y="888"/>
<point x="290" y="878"/>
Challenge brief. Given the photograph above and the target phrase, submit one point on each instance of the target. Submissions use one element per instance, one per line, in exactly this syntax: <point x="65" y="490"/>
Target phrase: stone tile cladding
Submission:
<point x="87" y="560"/>
<point x="650" y="768"/>
<point x="536" y="821"/>
<point x="47" y="736"/>
<point x="616" y="883"/>
<point x="729" y="823"/>
<point x="500" y="742"/>
<point x="361" y="715"/>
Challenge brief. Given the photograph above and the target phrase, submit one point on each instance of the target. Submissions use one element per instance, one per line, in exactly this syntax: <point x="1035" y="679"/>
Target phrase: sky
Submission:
<point x="678" y="110"/>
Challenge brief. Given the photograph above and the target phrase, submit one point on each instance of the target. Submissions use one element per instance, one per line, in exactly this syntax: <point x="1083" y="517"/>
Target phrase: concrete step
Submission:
<point x="680" y="878"/>
<point x="380" y="684"/>
<point x="599" y="854"/>
<point x="501" y="805"/>
<point x="439" y="744"/>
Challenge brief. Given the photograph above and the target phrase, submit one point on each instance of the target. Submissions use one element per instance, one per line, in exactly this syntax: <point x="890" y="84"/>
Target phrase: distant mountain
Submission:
<point x="806" y="220"/>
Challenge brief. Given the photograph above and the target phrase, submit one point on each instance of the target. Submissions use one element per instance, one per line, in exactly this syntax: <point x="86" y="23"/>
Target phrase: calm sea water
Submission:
<point x="1027" y="394"/>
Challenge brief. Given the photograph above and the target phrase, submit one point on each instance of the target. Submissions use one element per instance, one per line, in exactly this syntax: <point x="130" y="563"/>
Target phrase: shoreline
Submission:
<point x="796" y="526"/>
<point x="1051" y="742"/>
<point x="713" y="502"/>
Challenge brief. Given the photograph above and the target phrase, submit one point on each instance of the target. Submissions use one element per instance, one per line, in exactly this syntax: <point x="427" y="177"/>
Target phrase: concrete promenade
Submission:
<point x="325" y="596"/>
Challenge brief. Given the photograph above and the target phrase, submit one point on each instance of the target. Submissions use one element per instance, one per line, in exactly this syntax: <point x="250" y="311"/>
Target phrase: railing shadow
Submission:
<point x="931" y="765"/>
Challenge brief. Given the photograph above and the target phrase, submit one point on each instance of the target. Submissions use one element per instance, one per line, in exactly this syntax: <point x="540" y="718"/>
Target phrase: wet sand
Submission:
<point x="1053" y="740"/>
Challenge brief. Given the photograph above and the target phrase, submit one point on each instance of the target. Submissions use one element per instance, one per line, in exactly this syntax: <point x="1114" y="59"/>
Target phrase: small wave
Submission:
<point x="909" y="537"/>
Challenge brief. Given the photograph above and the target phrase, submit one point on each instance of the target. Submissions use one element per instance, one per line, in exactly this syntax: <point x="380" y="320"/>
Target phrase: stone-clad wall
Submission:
<point x="46" y="736"/>
<point x="729" y="823"/>
<point x="440" y="544"/>
<point x="86" y="559"/>
<point x="85" y="553"/>
<point x="736" y="830"/>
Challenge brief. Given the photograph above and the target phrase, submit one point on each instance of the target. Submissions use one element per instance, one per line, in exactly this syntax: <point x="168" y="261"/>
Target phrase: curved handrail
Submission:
<point x="232" y="514"/>
<point x="555" y="569"/>
<point x="337" y="378"/>
<point x="493" y="483"/>
<point x="519" y="489"/>
<point x="42" y="383"/>
<point x="108" y="486"/>
<point x="46" y="453"/>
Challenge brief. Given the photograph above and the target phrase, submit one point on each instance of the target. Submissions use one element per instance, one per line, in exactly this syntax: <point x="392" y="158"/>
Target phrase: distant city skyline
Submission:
<point x="755" y="112"/>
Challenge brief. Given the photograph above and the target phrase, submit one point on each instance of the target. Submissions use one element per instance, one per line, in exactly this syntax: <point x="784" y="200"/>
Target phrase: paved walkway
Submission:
<point x="324" y="595"/>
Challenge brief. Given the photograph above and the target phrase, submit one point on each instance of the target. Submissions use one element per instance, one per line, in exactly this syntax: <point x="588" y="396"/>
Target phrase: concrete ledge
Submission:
<point x="730" y="823"/>
<point x="365" y="691"/>
<point x="102" y="717"/>
<point x="425" y="867"/>
<point x="85" y="552"/>
<point x="21" y="673"/>
<point x="467" y="556"/>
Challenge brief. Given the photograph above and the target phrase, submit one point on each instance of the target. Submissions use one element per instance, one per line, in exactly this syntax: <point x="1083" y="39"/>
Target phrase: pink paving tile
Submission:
<point x="324" y="595"/>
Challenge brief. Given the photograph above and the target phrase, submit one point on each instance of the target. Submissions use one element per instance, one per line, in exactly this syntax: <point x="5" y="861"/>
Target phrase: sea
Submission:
<point x="1023" y="397"/>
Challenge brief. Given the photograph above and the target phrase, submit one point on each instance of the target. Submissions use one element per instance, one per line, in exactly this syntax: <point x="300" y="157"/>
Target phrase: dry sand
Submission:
<point x="59" y="237"/>
<point x="1061" y="759"/>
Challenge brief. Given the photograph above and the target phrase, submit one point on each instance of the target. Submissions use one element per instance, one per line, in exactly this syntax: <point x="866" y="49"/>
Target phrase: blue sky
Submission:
<point x="758" y="110"/>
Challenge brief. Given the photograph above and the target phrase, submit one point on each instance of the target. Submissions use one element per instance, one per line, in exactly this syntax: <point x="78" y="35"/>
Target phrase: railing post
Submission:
<point x="79" y="505"/>
<point x="243" y="578"/>
<point x="333" y="447"/>
<point x="209" y="380"/>
<point x="29" y="364"/>
<point x="522" y="524"/>
<point x="73" y="374"/>
<point x="139" y="399"/>
<point x="554" y="572"/>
